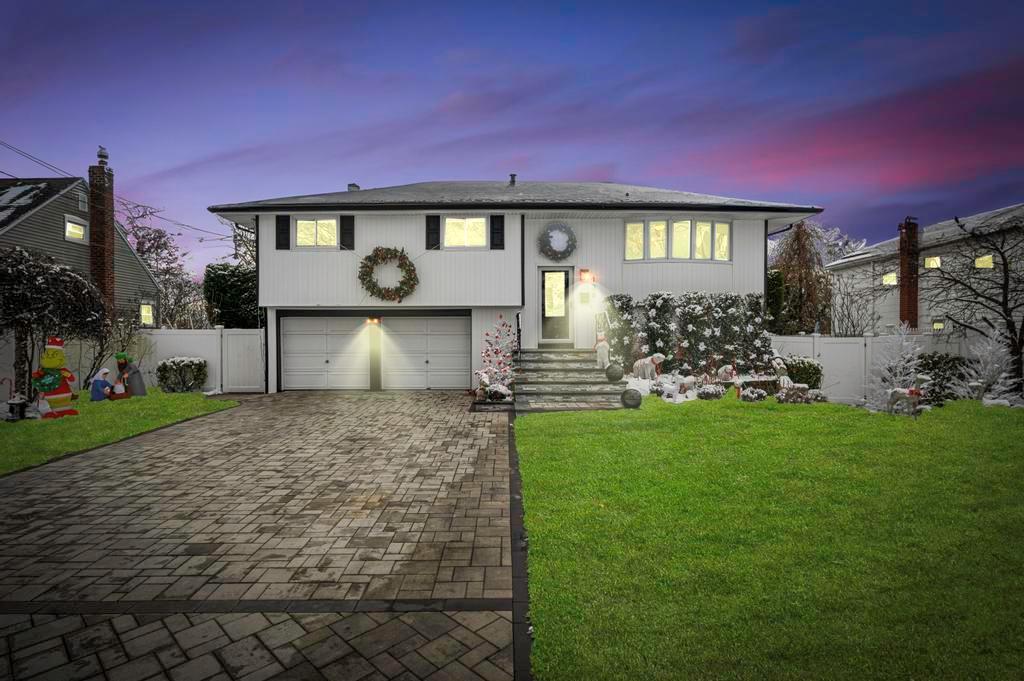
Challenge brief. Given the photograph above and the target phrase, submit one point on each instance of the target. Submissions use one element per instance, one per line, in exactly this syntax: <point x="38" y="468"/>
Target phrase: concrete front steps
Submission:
<point x="563" y="380"/>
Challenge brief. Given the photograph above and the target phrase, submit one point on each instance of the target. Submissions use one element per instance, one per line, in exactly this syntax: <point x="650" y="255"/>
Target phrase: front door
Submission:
<point x="555" y="319"/>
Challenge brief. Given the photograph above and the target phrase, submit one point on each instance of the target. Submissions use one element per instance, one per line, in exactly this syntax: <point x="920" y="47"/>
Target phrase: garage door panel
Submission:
<point x="303" y="362"/>
<point x="416" y="325"/>
<point x="455" y="325"/>
<point x="305" y="344"/>
<point x="303" y="324"/>
<point x="303" y="380"/>
<point x="345" y="324"/>
<point x="346" y="343"/>
<point x="398" y="344"/>
<point x="439" y="362"/>
<point x="416" y="362"/>
<point x="448" y="344"/>
<point x="355" y="378"/>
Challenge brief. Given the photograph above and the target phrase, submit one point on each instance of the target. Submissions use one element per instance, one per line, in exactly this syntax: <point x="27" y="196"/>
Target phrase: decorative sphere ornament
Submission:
<point x="631" y="398"/>
<point x="613" y="373"/>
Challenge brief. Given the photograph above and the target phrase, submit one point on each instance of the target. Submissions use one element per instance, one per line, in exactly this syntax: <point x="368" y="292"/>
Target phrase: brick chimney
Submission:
<point x="101" y="227"/>
<point x="909" y="256"/>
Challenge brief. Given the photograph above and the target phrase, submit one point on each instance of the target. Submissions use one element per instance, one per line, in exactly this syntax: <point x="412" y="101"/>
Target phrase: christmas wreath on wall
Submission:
<point x="557" y="241"/>
<point x="381" y="256"/>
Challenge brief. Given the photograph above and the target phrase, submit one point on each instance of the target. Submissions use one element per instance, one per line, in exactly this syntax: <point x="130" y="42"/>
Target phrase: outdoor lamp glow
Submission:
<point x="587" y="277"/>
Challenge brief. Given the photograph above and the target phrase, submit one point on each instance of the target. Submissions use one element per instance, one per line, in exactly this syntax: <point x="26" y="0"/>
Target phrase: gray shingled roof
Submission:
<point x="937" y="234"/>
<point x="18" y="197"/>
<point x="480" y="194"/>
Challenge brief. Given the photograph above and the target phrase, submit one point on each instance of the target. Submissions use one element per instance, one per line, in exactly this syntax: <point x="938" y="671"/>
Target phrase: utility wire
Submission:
<point x="61" y="171"/>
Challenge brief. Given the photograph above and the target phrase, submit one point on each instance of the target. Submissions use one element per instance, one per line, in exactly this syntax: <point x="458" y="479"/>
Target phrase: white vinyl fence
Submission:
<point x="846" y="362"/>
<point x="234" y="357"/>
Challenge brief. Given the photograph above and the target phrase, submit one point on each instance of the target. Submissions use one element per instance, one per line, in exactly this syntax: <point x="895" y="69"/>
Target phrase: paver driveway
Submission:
<point x="341" y="502"/>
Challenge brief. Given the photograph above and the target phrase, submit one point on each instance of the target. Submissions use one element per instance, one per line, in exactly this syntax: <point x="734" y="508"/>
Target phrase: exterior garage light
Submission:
<point x="587" y="277"/>
<point x="373" y="320"/>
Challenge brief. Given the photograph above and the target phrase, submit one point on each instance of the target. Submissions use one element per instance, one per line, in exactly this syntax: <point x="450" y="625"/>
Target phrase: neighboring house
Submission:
<point x="73" y="222"/>
<point x="475" y="248"/>
<point x="889" y="272"/>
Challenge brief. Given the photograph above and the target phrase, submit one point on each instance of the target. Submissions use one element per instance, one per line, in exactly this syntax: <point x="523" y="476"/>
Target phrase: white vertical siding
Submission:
<point x="329" y="277"/>
<point x="600" y="248"/>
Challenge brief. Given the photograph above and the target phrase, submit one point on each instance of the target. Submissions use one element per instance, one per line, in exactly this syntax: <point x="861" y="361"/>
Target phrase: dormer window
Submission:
<point x="76" y="229"/>
<point x="465" y="232"/>
<point x="83" y="201"/>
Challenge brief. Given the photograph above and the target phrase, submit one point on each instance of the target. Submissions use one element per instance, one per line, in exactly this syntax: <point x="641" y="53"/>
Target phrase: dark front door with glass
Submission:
<point x="554" y="305"/>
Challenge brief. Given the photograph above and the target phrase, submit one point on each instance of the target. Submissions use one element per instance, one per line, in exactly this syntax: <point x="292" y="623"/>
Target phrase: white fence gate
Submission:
<point x="234" y="357"/>
<point x="846" y="362"/>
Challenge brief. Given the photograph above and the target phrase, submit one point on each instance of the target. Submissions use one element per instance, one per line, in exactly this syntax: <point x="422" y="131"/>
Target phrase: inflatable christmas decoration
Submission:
<point x="52" y="380"/>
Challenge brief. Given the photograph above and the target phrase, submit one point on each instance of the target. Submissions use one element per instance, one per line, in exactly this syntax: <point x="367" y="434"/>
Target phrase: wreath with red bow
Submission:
<point x="381" y="256"/>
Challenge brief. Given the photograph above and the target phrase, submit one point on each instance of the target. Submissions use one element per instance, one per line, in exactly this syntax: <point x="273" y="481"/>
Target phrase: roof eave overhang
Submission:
<point x="310" y="207"/>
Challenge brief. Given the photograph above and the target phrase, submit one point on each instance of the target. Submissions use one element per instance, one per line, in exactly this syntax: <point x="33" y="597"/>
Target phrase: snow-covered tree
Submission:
<point x="895" y="364"/>
<point x="500" y="346"/>
<point x="989" y="372"/>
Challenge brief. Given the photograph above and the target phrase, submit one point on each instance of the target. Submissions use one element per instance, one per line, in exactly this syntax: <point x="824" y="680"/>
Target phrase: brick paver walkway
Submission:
<point x="355" y="506"/>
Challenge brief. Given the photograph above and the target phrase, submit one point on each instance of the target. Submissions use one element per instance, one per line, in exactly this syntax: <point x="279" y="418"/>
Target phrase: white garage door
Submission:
<point x="324" y="352"/>
<point x="427" y="352"/>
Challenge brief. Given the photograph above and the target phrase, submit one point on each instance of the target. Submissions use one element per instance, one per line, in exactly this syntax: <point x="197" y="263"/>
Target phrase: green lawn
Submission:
<point x="724" y="540"/>
<point x="31" y="442"/>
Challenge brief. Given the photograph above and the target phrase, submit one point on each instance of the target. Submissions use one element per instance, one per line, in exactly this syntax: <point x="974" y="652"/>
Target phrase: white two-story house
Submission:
<point x="543" y="254"/>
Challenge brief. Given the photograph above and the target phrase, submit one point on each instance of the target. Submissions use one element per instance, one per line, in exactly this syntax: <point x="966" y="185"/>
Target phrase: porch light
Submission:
<point x="373" y="320"/>
<point x="587" y="277"/>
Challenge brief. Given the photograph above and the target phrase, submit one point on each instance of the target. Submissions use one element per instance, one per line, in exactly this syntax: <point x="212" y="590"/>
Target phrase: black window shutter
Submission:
<point x="497" y="232"/>
<point x="284" y="229"/>
<point x="347" y="238"/>
<point x="433" y="232"/>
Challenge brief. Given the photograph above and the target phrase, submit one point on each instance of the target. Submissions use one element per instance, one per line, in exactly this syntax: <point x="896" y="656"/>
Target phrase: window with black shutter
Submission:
<point x="433" y="232"/>
<point x="497" y="232"/>
<point x="283" y="237"/>
<point x="347" y="240"/>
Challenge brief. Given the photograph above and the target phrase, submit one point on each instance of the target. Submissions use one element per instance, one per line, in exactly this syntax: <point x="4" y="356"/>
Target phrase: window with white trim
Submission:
<point x="465" y="232"/>
<point x="83" y="201"/>
<point x="682" y="239"/>
<point x="316" y="232"/>
<point x="146" y="314"/>
<point x="933" y="262"/>
<point x="890" y="279"/>
<point x="76" y="229"/>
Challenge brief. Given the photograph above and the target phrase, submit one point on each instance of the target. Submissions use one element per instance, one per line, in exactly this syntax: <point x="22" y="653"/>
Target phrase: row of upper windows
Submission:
<point x="458" y="232"/>
<point x="645" y="240"/>
<point x="678" y="240"/>
<point x="984" y="262"/>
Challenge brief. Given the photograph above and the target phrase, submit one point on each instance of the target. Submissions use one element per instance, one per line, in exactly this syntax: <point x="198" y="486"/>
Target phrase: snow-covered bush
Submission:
<point x="181" y="374"/>
<point x="621" y="334"/>
<point x="711" y="391"/>
<point x="988" y="374"/>
<point x="896" y="364"/>
<point x="753" y="395"/>
<point x="946" y="372"/>
<point x="804" y="370"/>
<point x="497" y="375"/>
<point x="698" y="332"/>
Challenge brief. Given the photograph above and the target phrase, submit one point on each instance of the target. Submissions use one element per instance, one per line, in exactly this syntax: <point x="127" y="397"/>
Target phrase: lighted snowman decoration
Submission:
<point x="557" y="241"/>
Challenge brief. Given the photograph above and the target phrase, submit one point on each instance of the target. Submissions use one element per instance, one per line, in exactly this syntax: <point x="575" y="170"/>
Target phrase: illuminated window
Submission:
<point x="634" y="241"/>
<point x="984" y="262"/>
<point x="889" y="279"/>
<point x="76" y="229"/>
<point x="938" y="325"/>
<point x="933" y="262"/>
<point x="658" y="235"/>
<point x="146" y="314"/>
<point x="702" y="241"/>
<point x="721" y="241"/>
<point x="681" y="239"/>
<point x="465" y="232"/>
<point x="320" y="232"/>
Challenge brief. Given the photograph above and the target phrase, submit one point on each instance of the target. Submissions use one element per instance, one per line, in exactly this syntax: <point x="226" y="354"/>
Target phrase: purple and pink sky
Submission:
<point x="872" y="110"/>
